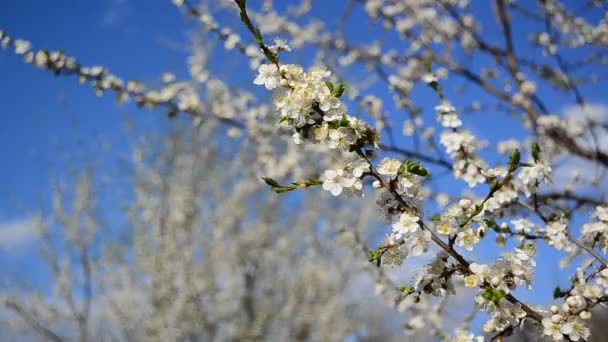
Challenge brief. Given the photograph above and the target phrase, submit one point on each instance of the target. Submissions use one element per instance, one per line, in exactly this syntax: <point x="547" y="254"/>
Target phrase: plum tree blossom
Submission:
<point x="453" y="183"/>
<point x="268" y="75"/>
<point x="406" y="223"/>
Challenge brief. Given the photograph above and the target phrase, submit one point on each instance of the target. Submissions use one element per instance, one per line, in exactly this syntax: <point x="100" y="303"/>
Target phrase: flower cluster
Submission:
<point x="453" y="223"/>
<point x="176" y="96"/>
<point x="309" y="103"/>
<point x="563" y="324"/>
<point x="531" y="177"/>
<point x="507" y="273"/>
<point x="338" y="181"/>
<point x="461" y="146"/>
<point x="557" y="232"/>
<point x="447" y="115"/>
<point x="597" y="230"/>
<point x="434" y="278"/>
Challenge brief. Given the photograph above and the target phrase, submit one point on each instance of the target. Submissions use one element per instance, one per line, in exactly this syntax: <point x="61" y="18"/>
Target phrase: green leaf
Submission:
<point x="344" y="122"/>
<point x="340" y="90"/>
<point x="499" y="295"/>
<point x="330" y="86"/>
<point x="494" y="295"/>
<point x="535" y="151"/>
<point x="441" y="335"/>
<point x="487" y="295"/>
<point x="514" y="159"/>
<point x="334" y="124"/>
<point x="435" y="217"/>
<point x="314" y="181"/>
<point x="558" y="293"/>
<point x="376" y="257"/>
<point x="273" y="183"/>
<point x="258" y="36"/>
<point x="405" y="289"/>
<point x="416" y="168"/>
<point x="491" y="223"/>
<point x="427" y="65"/>
<point x="526" y="164"/>
<point x="402" y="169"/>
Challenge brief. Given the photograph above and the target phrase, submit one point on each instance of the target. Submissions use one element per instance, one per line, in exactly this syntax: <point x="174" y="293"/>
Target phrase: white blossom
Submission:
<point x="467" y="239"/>
<point x="407" y="223"/>
<point x="575" y="329"/>
<point x="336" y="180"/>
<point x="536" y="174"/>
<point x="22" y="46"/>
<point x="280" y="44"/>
<point x="552" y="329"/>
<point x="389" y="167"/>
<point x="418" y="242"/>
<point x="268" y="75"/>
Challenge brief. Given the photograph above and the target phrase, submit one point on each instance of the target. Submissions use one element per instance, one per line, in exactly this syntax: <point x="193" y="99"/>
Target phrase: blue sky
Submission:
<point x="51" y="125"/>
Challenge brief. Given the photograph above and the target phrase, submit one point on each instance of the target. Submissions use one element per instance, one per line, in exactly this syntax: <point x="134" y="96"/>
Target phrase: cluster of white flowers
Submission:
<point x="406" y="224"/>
<point x="598" y="229"/>
<point x="523" y="225"/>
<point x="531" y="177"/>
<point x="348" y="179"/>
<point x="557" y="232"/>
<point x="310" y="105"/>
<point x="570" y="321"/>
<point x="447" y="115"/>
<point x="406" y="184"/>
<point x="461" y="146"/>
<point x="448" y="224"/>
<point x="574" y="328"/>
<point x="176" y="96"/>
<point x="432" y="278"/>
<point x="339" y="181"/>
<point x="507" y="273"/>
<point x="408" y="228"/>
<point x="503" y="196"/>
<point x="307" y="102"/>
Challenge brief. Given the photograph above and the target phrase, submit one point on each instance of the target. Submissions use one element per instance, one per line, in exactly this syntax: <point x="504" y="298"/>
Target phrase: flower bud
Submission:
<point x="585" y="315"/>
<point x="501" y="240"/>
<point x="464" y="203"/>
<point x="572" y="301"/>
<point x="495" y="280"/>
<point x="556" y="318"/>
<point x="566" y="307"/>
<point x="554" y="309"/>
